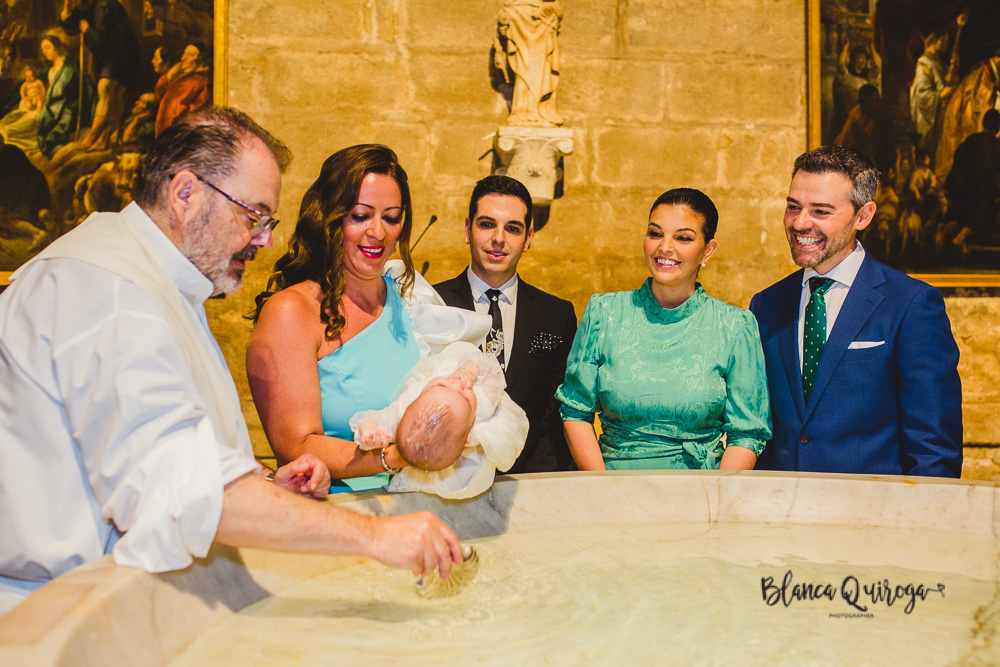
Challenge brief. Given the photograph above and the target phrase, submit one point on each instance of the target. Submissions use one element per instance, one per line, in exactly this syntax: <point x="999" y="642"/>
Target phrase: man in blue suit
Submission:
<point x="861" y="362"/>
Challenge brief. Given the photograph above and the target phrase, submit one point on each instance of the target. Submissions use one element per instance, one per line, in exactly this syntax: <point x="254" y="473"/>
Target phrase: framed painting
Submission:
<point x="915" y="85"/>
<point x="85" y="86"/>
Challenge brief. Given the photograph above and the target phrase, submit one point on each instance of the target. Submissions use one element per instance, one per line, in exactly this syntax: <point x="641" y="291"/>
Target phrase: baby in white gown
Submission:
<point x="451" y="420"/>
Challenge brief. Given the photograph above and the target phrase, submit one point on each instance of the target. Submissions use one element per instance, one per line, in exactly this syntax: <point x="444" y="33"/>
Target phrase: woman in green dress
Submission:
<point x="669" y="369"/>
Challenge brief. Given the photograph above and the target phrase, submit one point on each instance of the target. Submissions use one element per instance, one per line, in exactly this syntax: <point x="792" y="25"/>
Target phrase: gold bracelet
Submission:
<point x="391" y="471"/>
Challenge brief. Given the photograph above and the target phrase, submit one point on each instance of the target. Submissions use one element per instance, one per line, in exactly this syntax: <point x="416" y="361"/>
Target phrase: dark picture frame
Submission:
<point x="65" y="182"/>
<point x="908" y="83"/>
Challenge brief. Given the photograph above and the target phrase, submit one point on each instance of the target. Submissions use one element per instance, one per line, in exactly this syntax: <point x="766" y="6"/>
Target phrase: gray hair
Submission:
<point x="208" y="142"/>
<point x="858" y="169"/>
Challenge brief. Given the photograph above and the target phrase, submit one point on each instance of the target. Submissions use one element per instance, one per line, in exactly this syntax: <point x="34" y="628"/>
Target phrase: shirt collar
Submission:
<point x="191" y="282"/>
<point x="508" y="291"/>
<point x="845" y="272"/>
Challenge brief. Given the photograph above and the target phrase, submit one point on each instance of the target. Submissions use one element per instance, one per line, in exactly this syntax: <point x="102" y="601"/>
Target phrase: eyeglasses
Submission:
<point x="262" y="222"/>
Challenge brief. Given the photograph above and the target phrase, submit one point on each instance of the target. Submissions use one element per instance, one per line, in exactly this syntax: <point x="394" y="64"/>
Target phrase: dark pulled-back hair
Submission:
<point x="316" y="247"/>
<point x="844" y="160"/>
<point x="500" y="185"/>
<point x="208" y="142"/>
<point x="57" y="43"/>
<point x="697" y="201"/>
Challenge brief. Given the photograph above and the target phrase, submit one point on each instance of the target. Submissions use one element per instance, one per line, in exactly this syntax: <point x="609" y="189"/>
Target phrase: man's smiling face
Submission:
<point x="497" y="237"/>
<point x="820" y="221"/>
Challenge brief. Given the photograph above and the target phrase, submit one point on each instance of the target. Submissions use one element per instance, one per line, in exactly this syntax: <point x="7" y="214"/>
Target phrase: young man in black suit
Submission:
<point x="533" y="331"/>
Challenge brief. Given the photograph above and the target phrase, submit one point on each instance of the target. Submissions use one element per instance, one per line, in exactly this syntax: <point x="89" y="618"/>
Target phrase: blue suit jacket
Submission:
<point x="893" y="408"/>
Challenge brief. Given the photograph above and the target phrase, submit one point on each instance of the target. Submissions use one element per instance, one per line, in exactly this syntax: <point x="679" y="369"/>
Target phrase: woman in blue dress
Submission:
<point x="332" y="334"/>
<point x="669" y="369"/>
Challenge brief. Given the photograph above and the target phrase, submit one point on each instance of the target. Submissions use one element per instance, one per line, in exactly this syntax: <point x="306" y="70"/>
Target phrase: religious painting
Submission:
<point x="915" y="85"/>
<point x="85" y="86"/>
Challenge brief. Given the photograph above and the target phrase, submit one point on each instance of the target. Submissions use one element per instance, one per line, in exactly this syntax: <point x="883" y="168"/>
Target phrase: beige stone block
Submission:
<point x="244" y="81"/>
<point x="411" y="143"/>
<point x="332" y="82"/>
<point x="746" y="92"/>
<point x="979" y="420"/>
<point x="291" y="20"/>
<point x="464" y="28"/>
<point x="462" y="153"/>
<point x="771" y="29"/>
<point x="590" y="28"/>
<point x="981" y="463"/>
<point x="443" y="246"/>
<point x="973" y="323"/>
<point x="593" y="233"/>
<point x="751" y="251"/>
<point x="609" y="91"/>
<point x="760" y="159"/>
<point x="751" y="221"/>
<point x="316" y="135"/>
<point x="654" y="157"/>
<point x="455" y="86"/>
<point x="383" y="20"/>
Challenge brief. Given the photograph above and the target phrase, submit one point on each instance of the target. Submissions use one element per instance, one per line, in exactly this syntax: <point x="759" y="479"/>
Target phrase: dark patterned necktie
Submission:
<point x="494" y="341"/>
<point x="814" y="331"/>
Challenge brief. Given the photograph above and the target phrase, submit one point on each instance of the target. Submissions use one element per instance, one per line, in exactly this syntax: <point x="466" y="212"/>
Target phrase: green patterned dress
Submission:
<point x="667" y="383"/>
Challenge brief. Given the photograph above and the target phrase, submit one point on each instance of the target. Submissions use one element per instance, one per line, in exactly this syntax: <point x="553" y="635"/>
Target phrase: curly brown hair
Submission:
<point x="316" y="248"/>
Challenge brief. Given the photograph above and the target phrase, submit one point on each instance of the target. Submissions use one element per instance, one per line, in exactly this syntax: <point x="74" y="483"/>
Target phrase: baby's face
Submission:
<point x="457" y="383"/>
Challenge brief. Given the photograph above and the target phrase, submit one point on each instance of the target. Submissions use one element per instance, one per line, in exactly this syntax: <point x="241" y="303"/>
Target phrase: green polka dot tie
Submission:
<point x="814" y="332"/>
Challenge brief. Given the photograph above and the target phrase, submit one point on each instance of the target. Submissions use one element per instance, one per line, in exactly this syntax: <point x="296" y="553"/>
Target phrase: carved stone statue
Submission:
<point x="526" y="48"/>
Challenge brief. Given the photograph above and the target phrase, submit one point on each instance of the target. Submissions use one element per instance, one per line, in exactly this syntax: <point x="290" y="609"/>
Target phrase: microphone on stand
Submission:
<point x="432" y="221"/>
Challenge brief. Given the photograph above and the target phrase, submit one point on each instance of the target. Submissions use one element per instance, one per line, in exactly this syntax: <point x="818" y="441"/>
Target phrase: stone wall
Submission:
<point x="709" y="94"/>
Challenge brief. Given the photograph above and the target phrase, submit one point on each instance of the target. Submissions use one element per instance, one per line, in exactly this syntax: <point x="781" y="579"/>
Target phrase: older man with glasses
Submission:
<point x="120" y="425"/>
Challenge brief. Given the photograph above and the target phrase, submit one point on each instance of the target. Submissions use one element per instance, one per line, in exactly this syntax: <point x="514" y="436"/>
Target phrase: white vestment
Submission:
<point x="120" y="424"/>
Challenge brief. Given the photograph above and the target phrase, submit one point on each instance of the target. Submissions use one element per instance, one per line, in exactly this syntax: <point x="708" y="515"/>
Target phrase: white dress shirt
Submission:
<point x="107" y="444"/>
<point x="508" y="306"/>
<point x="844" y="275"/>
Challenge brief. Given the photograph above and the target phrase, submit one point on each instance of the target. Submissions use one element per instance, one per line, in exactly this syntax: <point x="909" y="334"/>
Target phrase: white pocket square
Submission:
<point x="865" y="344"/>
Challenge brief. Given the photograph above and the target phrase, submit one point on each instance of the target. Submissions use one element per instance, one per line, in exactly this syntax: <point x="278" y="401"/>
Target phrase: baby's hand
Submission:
<point x="467" y="373"/>
<point x="370" y="436"/>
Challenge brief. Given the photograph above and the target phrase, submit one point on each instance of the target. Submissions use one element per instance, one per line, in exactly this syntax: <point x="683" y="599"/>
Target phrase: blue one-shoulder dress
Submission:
<point x="363" y="374"/>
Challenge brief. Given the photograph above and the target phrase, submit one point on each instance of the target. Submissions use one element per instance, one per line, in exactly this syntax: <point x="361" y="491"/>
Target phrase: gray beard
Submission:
<point x="201" y="248"/>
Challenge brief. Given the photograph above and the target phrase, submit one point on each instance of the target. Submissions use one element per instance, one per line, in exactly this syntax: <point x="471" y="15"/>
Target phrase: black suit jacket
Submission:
<point x="544" y="327"/>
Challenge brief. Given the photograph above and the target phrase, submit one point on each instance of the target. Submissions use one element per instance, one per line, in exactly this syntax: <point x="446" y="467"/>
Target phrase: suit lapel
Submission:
<point x="861" y="302"/>
<point x="524" y="325"/>
<point x="460" y="287"/>
<point x="788" y="339"/>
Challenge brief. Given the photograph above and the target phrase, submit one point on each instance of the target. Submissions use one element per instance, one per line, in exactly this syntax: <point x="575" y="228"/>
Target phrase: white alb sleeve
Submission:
<point x="170" y="503"/>
<point x="155" y="464"/>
